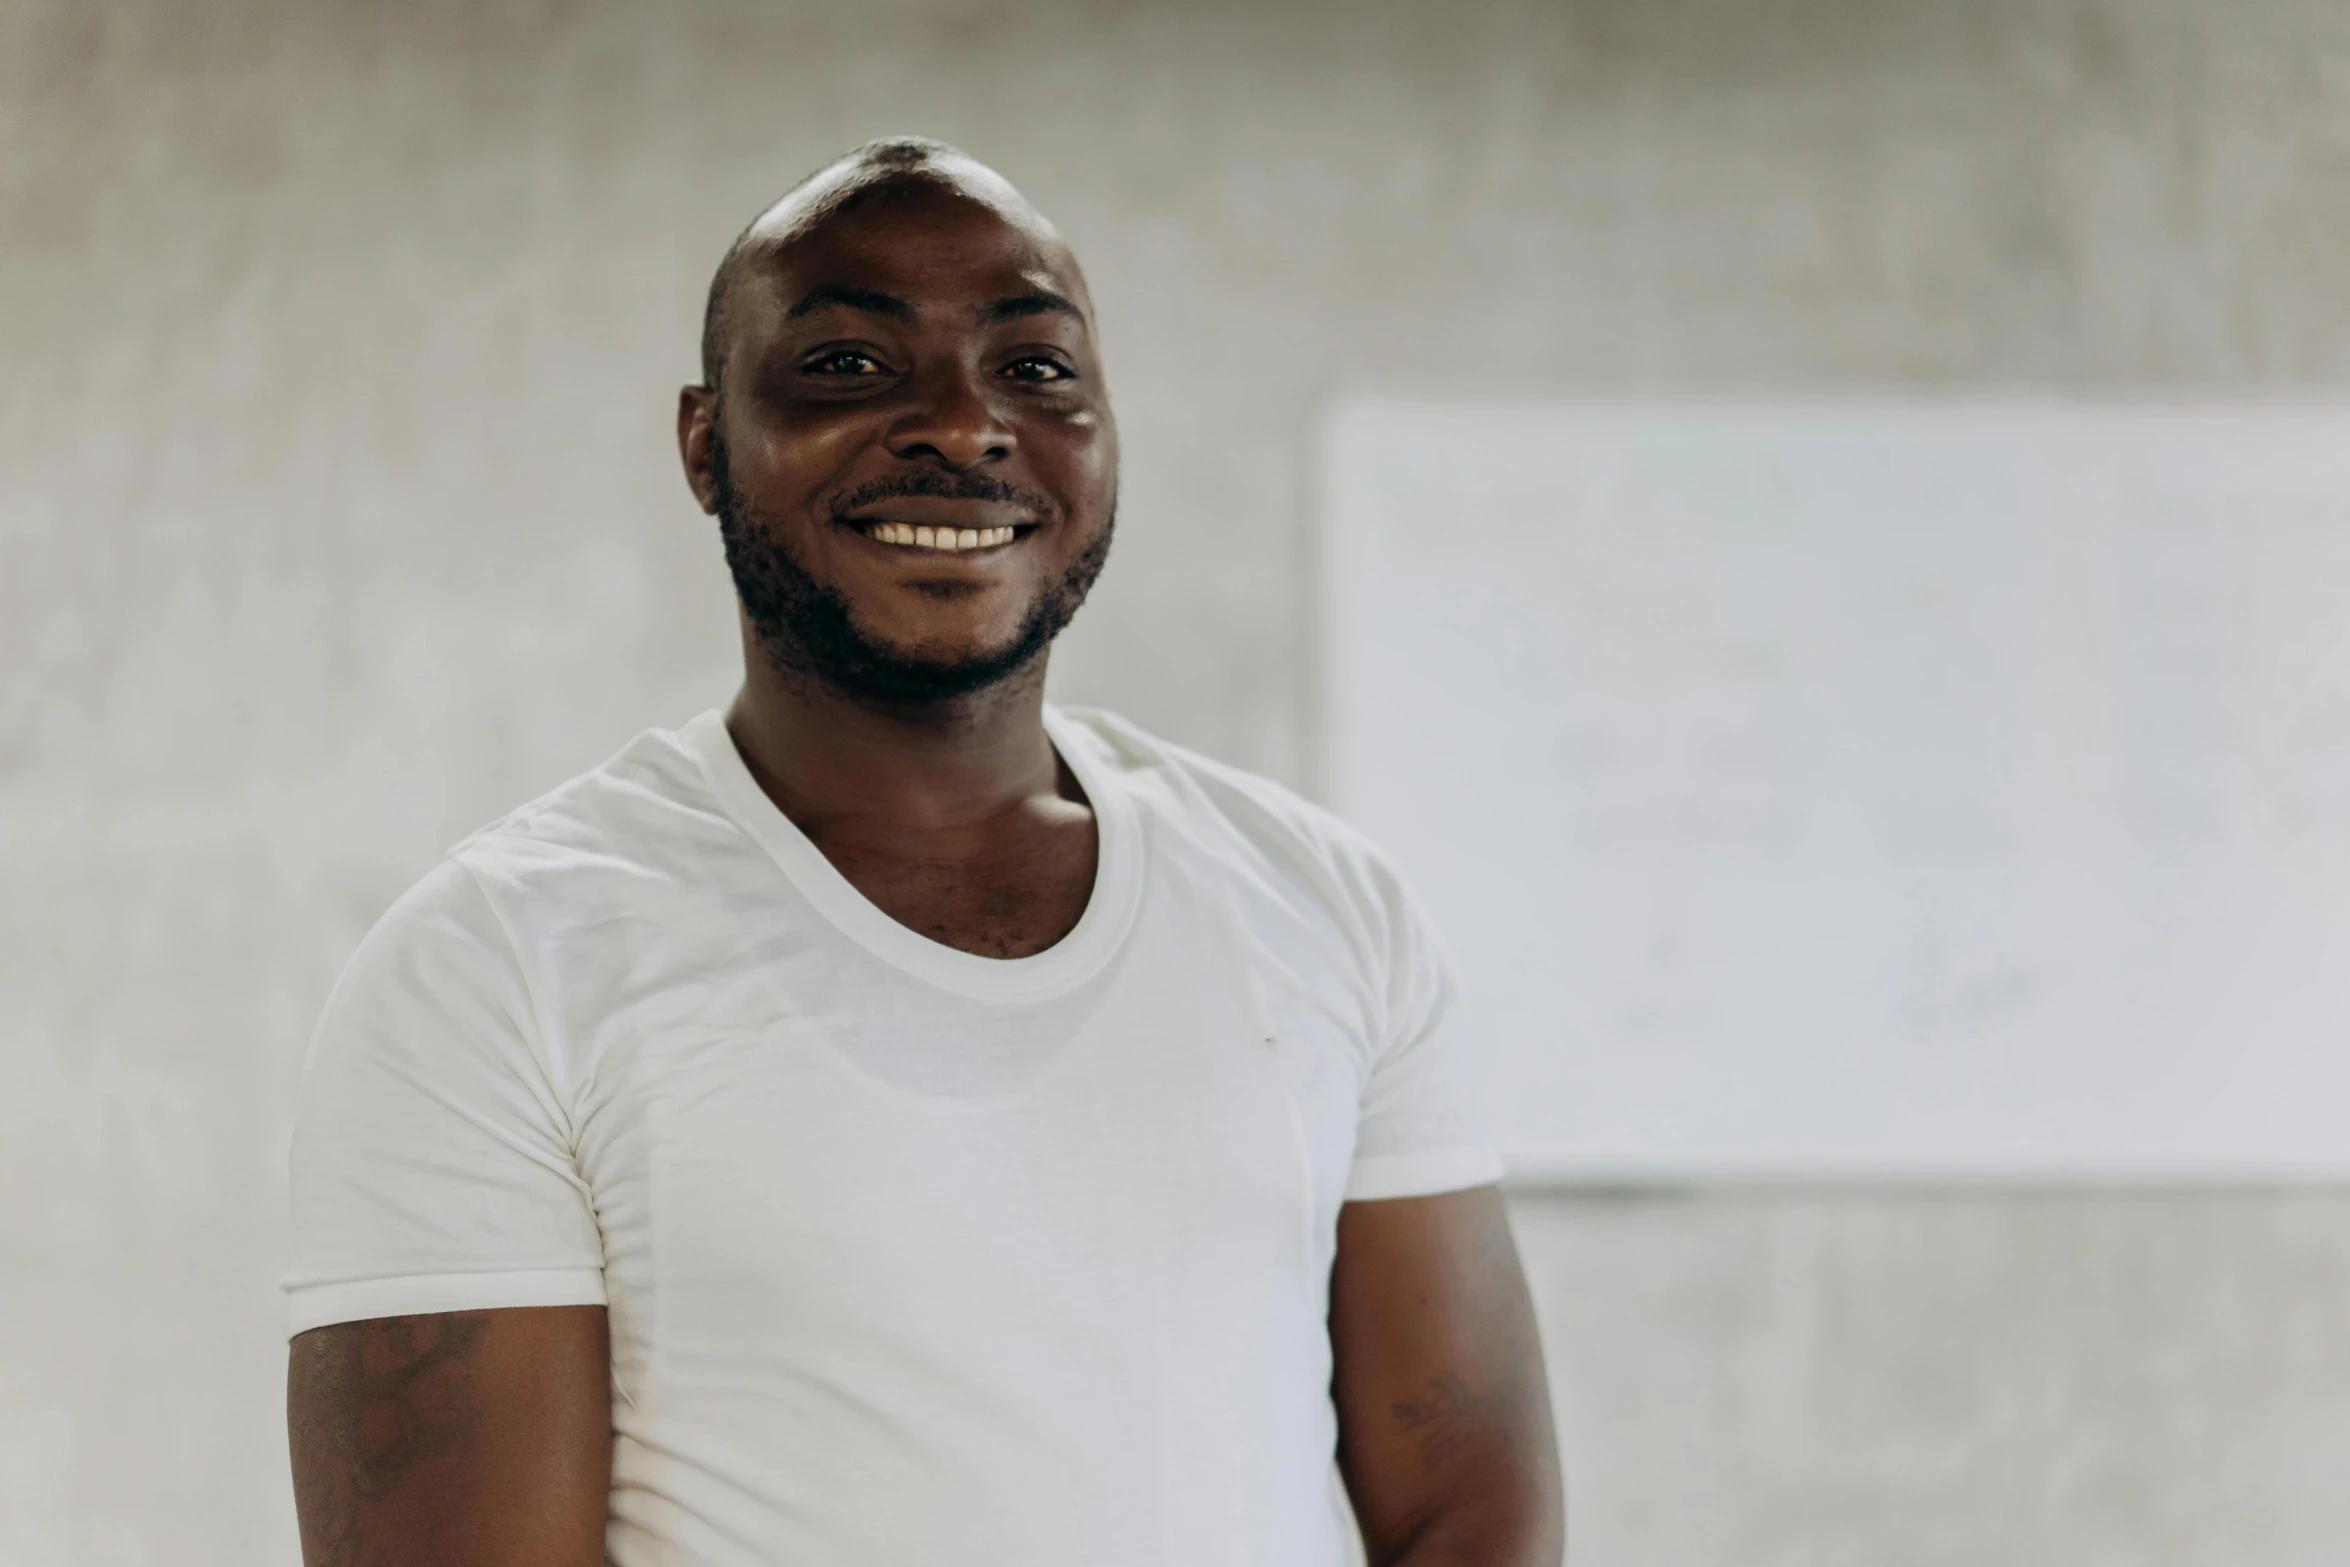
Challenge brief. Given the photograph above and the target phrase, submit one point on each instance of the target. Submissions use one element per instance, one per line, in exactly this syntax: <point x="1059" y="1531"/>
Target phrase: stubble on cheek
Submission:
<point x="822" y="604"/>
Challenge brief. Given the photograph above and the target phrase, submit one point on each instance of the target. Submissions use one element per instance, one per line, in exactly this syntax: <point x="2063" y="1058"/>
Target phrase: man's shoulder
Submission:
<point x="1152" y="763"/>
<point x="1201" y="797"/>
<point x="637" y="805"/>
<point x="577" y="875"/>
<point x="595" y="848"/>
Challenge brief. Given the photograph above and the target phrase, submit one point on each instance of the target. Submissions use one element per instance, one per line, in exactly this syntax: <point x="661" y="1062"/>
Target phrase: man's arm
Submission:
<point x="462" y="1439"/>
<point x="1444" y="1430"/>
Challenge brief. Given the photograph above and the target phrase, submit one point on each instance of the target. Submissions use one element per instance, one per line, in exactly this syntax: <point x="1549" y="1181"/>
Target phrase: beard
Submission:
<point x="806" y="628"/>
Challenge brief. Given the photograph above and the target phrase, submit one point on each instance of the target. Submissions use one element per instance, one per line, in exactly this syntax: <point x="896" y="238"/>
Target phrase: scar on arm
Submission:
<point x="1452" y="1418"/>
<point x="394" y="1392"/>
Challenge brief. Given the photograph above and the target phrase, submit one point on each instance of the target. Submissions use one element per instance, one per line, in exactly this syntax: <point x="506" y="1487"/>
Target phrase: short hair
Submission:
<point x="873" y="162"/>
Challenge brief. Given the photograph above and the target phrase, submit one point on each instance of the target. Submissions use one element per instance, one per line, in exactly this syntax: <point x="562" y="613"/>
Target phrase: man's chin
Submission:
<point x="873" y="669"/>
<point x="931" y="678"/>
<point x="901" y="656"/>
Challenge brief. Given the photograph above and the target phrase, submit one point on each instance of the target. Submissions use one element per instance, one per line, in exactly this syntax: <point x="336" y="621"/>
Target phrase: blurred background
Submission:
<point x="339" y="512"/>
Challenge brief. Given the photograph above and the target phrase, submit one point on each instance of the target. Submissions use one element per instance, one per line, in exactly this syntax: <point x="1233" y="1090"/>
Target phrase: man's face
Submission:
<point x="911" y="454"/>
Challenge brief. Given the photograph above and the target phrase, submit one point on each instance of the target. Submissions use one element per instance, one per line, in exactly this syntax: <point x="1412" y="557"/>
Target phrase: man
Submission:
<point x="900" y="1123"/>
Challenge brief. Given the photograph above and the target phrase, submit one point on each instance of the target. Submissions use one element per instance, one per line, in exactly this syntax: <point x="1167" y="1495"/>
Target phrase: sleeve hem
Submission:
<point x="322" y="1305"/>
<point x="1422" y="1174"/>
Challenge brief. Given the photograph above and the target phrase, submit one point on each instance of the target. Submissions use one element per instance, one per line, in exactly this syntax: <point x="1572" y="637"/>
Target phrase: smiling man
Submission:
<point x="898" y="1122"/>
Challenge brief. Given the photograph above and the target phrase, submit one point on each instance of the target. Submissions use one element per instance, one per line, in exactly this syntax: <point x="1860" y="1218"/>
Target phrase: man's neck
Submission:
<point x="827" y="757"/>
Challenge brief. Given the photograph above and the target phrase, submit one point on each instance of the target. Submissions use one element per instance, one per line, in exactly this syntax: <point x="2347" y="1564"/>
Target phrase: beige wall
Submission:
<point x="337" y="346"/>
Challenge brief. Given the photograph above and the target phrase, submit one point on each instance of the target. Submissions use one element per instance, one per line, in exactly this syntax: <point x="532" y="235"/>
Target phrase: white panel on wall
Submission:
<point x="1905" y="789"/>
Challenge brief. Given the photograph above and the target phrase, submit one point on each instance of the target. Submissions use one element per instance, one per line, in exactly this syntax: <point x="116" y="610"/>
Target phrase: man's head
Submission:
<point x="902" y="427"/>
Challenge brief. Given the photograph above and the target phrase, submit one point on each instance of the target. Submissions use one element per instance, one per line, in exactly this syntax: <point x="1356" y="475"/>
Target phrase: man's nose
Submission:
<point x="952" y="422"/>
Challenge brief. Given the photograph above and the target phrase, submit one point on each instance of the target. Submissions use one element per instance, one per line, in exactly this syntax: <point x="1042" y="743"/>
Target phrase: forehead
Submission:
<point x="939" y="248"/>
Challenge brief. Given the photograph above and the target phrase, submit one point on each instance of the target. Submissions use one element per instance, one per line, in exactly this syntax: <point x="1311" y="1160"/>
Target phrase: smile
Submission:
<point x="907" y="535"/>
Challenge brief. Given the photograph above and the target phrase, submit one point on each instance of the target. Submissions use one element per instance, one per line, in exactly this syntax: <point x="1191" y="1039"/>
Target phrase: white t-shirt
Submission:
<point x="911" y="1255"/>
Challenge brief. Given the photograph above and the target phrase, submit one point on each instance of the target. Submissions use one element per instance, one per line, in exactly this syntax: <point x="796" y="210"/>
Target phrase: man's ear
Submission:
<point x="697" y="415"/>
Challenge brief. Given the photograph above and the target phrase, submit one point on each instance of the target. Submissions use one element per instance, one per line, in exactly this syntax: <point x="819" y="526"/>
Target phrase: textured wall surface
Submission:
<point x="1949" y="1380"/>
<point x="338" y="345"/>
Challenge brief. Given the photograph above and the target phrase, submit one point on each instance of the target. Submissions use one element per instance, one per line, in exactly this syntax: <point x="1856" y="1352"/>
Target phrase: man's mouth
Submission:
<point x="908" y="535"/>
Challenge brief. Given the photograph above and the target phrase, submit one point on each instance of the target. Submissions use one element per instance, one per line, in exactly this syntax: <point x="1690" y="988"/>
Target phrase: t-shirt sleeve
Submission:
<point x="432" y="1166"/>
<point x="1419" y="1132"/>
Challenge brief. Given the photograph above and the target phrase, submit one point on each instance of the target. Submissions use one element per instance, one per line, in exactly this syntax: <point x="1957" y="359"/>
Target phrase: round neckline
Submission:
<point x="1076" y="957"/>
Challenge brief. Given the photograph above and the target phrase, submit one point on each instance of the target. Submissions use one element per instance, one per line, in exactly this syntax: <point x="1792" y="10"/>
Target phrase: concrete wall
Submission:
<point x="337" y="513"/>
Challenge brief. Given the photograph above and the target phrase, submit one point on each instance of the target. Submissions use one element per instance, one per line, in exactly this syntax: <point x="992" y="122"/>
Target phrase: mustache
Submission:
<point x="943" y="486"/>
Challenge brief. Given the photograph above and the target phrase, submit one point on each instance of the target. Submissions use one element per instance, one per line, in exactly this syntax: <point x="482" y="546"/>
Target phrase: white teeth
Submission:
<point x="938" y="538"/>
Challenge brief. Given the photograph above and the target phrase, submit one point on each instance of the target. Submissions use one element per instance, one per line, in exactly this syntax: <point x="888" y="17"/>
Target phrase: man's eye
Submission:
<point x="1037" y="367"/>
<point x="845" y="361"/>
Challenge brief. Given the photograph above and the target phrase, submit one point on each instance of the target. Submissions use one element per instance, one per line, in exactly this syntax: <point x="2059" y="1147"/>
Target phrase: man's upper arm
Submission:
<point x="432" y="1167"/>
<point x="448" y="1388"/>
<point x="474" y="1437"/>
<point x="1445" y="1434"/>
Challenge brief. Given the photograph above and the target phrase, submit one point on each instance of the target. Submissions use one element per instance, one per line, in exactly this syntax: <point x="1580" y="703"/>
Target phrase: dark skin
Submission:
<point x="939" y="327"/>
<point x="944" y="354"/>
<point x="475" y="1437"/>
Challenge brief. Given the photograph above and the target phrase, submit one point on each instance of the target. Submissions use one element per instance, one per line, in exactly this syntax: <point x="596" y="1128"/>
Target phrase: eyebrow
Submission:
<point x="1036" y="304"/>
<point x="869" y="300"/>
